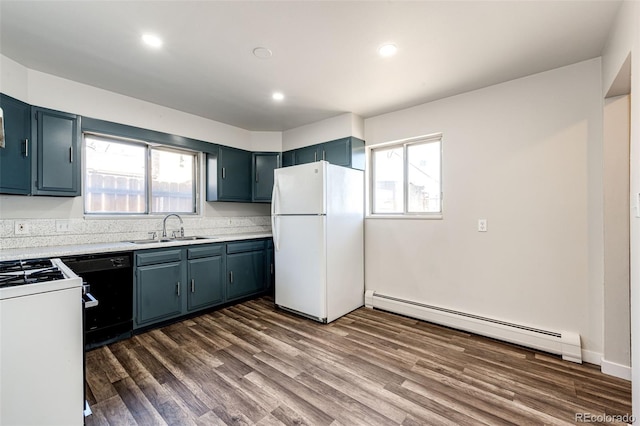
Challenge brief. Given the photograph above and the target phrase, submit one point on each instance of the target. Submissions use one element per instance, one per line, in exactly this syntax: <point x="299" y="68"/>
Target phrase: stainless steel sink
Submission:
<point x="185" y="238"/>
<point x="169" y="240"/>
<point x="141" y="241"/>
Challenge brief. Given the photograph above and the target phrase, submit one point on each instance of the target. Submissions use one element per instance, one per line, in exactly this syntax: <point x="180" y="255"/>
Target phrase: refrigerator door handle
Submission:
<point x="274" y="201"/>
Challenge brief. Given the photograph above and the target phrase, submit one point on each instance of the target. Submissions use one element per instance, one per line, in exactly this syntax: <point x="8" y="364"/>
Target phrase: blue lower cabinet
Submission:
<point x="245" y="274"/>
<point x="159" y="284"/>
<point x="159" y="292"/>
<point x="173" y="282"/>
<point x="246" y="268"/>
<point x="205" y="282"/>
<point x="270" y="268"/>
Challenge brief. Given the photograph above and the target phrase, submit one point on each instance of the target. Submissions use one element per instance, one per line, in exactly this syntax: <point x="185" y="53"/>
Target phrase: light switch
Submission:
<point x="482" y="225"/>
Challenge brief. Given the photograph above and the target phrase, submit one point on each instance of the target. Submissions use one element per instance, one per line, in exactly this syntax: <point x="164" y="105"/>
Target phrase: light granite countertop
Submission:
<point x="76" y="249"/>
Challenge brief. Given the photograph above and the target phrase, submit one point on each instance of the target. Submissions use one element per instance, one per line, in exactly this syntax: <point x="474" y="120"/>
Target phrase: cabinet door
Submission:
<point x="337" y="152"/>
<point x="234" y="175"/>
<point x="308" y="154"/>
<point x="245" y="274"/>
<point x="15" y="160"/>
<point x="57" y="163"/>
<point x="270" y="269"/>
<point x="263" y="166"/>
<point x="205" y="282"/>
<point x="288" y="158"/>
<point x="159" y="292"/>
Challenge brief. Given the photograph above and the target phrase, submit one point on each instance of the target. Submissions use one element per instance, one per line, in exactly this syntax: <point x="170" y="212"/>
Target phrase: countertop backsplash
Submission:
<point x="59" y="232"/>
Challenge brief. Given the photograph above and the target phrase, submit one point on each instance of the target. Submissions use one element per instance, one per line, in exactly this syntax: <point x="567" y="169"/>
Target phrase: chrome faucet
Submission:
<point x="164" y="225"/>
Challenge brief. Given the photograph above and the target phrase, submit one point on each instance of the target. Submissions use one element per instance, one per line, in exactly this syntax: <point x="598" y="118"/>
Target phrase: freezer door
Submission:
<point x="300" y="260"/>
<point x="300" y="189"/>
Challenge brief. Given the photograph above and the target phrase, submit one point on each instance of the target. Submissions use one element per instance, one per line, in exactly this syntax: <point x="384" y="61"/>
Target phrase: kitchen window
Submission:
<point x="134" y="177"/>
<point x="406" y="178"/>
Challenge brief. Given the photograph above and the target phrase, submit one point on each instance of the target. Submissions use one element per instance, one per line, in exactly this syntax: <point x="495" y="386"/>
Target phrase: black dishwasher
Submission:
<point x="110" y="280"/>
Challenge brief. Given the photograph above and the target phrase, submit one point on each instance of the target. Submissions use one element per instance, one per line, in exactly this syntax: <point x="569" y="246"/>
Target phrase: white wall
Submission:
<point x="624" y="40"/>
<point x="13" y="78"/>
<point x="527" y="156"/>
<point x="616" y="358"/>
<point x="266" y="141"/>
<point x="341" y="126"/>
<point x="49" y="91"/>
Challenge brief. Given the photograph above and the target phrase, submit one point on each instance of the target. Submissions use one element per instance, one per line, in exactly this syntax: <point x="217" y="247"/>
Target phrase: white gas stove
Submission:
<point x="41" y="343"/>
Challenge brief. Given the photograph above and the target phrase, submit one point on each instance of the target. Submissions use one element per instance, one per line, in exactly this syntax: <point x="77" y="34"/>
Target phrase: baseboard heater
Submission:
<point x="562" y="343"/>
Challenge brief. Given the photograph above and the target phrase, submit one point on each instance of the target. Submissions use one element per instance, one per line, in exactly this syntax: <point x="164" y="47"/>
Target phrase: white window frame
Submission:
<point x="197" y="177"/>
<point x="405" y="214"/>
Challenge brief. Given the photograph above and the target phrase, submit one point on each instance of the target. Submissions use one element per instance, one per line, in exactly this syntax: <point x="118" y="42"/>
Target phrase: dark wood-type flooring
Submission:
<point x="254" y="364"/>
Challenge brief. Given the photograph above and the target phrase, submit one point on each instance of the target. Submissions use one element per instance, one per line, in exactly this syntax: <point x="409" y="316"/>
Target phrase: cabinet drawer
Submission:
<point x="151" y="258"/>
<point x="205" y="251"/>
<point x="242" y="246"/>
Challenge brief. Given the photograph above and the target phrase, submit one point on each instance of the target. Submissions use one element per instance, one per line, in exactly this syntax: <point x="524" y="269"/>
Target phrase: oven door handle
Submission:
<point x="90" y="301"/>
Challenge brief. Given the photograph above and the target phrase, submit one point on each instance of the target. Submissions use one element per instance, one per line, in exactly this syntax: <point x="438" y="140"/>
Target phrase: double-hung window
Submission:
<point x="134" y="177"/>
<point x="406" y="177"/>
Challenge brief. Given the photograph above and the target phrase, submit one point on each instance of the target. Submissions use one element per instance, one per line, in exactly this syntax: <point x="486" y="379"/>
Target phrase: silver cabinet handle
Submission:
<point x="193" y="285"/>
<point x="315" y="156"/>
<point x="71" y="154"/>
<point x="178" y="288"/>
<point x="26" y="147"/>
<point x="223" y="173"/>
<point x="231" y="277"/>
<point x="323" y="154"/>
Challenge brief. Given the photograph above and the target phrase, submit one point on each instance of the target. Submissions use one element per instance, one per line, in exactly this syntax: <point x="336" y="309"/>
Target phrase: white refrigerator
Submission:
<point x="317" y="218"/>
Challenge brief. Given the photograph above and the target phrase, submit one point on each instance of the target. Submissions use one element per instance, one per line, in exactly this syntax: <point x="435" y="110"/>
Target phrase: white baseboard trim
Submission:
<point x="592" y="357"/>
<point x="561" y="342"/>
<point x="616" y="370"/>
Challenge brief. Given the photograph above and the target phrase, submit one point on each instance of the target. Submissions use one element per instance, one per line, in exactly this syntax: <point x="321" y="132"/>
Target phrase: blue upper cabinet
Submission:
<point x="347" y="152"/>
<point x="337" y="152"/>
<point x="56" y="165"/>
<point x="264" y="163"/>
<point x="229" y="175"/>
<point x="289" y="158"/>
<point x="308" y="154"/>
<point x="15" y="157"/>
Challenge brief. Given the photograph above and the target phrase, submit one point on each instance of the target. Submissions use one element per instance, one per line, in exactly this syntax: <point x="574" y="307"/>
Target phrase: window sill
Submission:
<point x="111" y="216"/>
<point x="435" y="216"/>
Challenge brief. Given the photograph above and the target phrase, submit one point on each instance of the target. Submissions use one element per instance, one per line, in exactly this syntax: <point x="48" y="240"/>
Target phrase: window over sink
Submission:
<point x="135" y="177"/>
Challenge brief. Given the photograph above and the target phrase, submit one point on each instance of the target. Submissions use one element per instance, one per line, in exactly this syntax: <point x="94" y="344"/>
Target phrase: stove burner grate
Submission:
<point x="22" y="272"/>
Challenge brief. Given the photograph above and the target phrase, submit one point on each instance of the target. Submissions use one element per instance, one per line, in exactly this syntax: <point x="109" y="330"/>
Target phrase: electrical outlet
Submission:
<point x="62" y="226"/>
<point x="482" y="225"/>
<point x="21" y="228"/>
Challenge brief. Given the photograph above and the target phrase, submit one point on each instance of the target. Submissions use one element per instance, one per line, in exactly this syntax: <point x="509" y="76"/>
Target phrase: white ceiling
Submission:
<point x="324" y="52"/>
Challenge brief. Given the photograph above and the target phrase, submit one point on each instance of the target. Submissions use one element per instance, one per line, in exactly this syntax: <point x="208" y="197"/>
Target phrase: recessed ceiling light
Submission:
<point x="152" y="40"/>
<point x="387" y="50"/>
<point x="277" y="96"/>
<point x="262" y="52"/>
